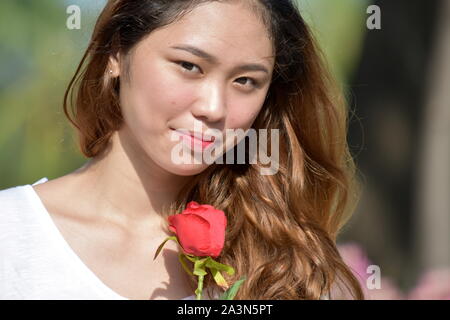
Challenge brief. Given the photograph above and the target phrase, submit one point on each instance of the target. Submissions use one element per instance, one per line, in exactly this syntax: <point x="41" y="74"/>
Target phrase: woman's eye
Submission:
<point x="187" y="66"/>
<point x="252" y="82"/>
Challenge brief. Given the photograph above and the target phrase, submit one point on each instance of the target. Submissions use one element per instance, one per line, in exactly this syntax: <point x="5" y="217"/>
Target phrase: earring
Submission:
<point x="110" y="70"/>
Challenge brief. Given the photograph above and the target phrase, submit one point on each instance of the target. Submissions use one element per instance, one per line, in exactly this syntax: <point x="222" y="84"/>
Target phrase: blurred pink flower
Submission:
<point x="388" y="291"/>
<point x="357" y="260"/>
<point x="433" y="285"/>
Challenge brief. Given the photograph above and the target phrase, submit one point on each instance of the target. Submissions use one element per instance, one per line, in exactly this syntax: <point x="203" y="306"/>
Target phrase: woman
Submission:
<point x="156" y="67"/>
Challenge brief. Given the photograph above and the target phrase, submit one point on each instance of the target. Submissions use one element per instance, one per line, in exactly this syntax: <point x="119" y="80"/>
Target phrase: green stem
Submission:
<point x="199" y="287"/>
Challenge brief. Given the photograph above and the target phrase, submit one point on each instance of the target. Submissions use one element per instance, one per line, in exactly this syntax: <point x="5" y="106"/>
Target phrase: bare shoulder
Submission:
<point x="58" y="196"/>
<point x="52" y="189"/>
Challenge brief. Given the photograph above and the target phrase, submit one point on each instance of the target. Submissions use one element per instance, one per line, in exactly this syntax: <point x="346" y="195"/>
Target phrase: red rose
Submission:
<point x="200" y="229"/>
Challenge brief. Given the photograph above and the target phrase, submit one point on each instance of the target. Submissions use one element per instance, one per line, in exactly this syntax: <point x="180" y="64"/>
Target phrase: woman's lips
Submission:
<point x="192" y="141"/>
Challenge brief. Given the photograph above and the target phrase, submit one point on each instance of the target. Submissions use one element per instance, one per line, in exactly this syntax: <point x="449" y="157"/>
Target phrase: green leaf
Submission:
<point x="162" y="245"/>
<point x="191" y="257"/>
<point x="230" y="293"/>
<point x="219" y="278"/>
<point x="211" y="263"/>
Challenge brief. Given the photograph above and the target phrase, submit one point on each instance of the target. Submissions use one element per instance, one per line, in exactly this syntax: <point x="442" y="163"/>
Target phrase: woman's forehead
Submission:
<point x="218" y="28"/>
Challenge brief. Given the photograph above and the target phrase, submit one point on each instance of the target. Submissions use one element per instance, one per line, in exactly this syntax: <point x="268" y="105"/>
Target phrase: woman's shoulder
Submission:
<point x="18" y="205"/>
<point x="14" y="199"/>
<point x="20" y="217"/>
<point x="59" y="197"/>
<point x="11" y="193"/>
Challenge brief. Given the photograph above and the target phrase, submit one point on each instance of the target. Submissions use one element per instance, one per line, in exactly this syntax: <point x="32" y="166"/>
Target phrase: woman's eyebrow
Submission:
<point x="213" y="60"/>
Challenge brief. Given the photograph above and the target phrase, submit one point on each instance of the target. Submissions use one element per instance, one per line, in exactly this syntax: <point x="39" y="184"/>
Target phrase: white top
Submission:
<point x="36" y="262"/>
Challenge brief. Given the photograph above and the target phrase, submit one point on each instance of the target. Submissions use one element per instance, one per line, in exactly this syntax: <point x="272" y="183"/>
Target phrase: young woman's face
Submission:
<point x="174" y="85"/>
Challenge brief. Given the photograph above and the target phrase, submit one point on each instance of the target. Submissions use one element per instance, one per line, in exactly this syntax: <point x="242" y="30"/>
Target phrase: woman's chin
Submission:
<point x="188" y="169"/>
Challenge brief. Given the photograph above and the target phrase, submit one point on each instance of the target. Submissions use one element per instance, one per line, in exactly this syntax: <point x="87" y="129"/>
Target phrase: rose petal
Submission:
<point x="171" y="223"/>
<point x="217" y="221"/>
<point x="192" y="204"/>
<point x="193" y="233"/>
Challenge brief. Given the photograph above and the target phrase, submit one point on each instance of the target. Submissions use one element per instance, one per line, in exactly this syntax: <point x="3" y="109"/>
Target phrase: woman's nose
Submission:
<point x="212" y="104"/>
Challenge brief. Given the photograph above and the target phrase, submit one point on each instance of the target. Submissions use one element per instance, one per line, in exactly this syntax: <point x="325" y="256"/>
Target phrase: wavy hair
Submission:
<point x="282" y="234"/>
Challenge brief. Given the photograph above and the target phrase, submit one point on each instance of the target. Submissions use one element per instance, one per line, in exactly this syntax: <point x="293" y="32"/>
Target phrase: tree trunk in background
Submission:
<point x="387" y="95"/>
<point x="433" y="201"/>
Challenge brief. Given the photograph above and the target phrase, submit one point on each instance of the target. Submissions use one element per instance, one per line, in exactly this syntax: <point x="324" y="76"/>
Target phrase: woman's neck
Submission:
<point x="126" y="188"/>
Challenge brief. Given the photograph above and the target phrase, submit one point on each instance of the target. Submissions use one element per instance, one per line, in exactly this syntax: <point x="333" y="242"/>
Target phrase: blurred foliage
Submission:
<point x="340" y="27"/>
<point x="39" y="55"/>
<point x="38" y="58"/>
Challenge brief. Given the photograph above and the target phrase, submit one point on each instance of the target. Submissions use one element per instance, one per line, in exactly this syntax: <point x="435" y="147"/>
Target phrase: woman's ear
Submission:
<point x="114" y="66"/>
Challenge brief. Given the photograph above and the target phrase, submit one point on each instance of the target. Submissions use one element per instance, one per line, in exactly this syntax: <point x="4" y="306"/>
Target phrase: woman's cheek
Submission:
<point x="152" y="117"/>
<point x="182" y="98"/>
<point x="239" y="116"/>
<point x="172" y="93"/>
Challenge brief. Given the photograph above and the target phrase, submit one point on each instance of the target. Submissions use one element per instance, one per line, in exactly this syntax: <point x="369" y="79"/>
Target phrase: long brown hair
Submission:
<point x="282" y="234"/>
